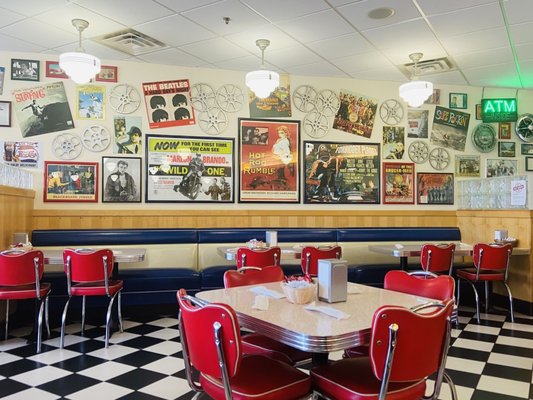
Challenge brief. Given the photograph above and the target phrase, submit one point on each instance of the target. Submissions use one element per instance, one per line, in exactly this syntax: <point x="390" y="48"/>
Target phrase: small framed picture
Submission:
<point x="434" y="188"/>
<point x="478" y="112"/>
<point x="506" y="149"/>
<point x="504" y="131"/>
<point x="499" y="167"/>
<point x="107" y="74"/>
<point x="70" y="181"/>
<point x="529" y="163"/>
<point x="54" y="71"/>
<point x="458" y="100"/>
<point x="25" y="70"/>
<point x="434" y="98"/>
<point x="121" y="179"/>
<point x="526" y="149"/>
<point x="5" y="113"/>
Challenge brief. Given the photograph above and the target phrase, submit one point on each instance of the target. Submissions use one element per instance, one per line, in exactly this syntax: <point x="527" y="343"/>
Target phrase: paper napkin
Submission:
<point x="260" y="303"/>
<point x="332" y="312"/>
<point x="267" y="292"/>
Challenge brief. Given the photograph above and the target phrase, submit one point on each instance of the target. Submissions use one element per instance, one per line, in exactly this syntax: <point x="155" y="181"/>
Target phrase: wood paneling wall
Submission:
<point x="16" y="211"/>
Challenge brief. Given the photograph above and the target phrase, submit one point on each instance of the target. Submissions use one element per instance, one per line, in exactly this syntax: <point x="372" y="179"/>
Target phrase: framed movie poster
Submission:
<point x="434" y="188"/>
<point x="498" y="167"/>
<point x="468" y="166"/>
<point x="398" y="183"/>
<point x="458" y="100"/>
<point x="504" y="131"/>
<point x="25" y="70"/>
<point x="506" y="149"/>
<point x="5" y="113"/>
<point x="91" y="102"/>
<point x="107" y="74"/>
<point x="346" y="173"/>
<point x="70" y="181"/>
<point x="53" y="70"/>
<point x="189" y="169"/>
<point x="269" y="160"/>
<point x="121" y="180"/>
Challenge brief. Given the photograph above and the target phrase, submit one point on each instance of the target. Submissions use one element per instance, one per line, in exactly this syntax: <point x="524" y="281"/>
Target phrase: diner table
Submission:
<point x="306" y="330"/>
<point x="54" y="257"/>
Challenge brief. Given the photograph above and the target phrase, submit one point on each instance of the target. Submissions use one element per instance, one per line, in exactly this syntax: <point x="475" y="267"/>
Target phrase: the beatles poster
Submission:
<point x="187" y="169"/>
<point x="277" y="105"/>
<point x="356" y="114"/>
<point x="167" y="103"/>
<point x="269" y="160"/>
<point x="42" y="109"/>
<point x="69" y="181"/>
<point x="399" y="183"/>
<point x="342" y="172"/>
<point x="450" y="128"/>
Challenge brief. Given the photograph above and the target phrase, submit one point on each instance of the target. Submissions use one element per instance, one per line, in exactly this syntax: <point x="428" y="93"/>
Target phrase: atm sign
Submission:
<point x="499" y="110"/>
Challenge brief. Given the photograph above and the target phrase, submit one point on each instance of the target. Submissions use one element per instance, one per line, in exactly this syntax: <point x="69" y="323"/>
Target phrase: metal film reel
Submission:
<point x="202" y="96"/>
<point x="230" y="98"/>
<point x="418" y="152"/>
<point x="327" y="102"/>
<point x="316" y="124"/>
<point x="96" y="138"/>
<point x="213" y="121"/>
<point x="524" y="127"/>
<point x="391" y="112"/>
<point x="304" y="98"/>
<point x="439" y="158"/>
<point x="124" y="99"/>
<point x="67" y="146"/>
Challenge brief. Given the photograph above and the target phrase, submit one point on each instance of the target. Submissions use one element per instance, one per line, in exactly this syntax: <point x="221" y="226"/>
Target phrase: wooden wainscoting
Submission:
<point x="16" y="210"/>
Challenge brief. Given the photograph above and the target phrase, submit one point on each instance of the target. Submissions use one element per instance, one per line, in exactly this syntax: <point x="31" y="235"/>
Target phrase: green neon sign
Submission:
<point x="499" y="110"/>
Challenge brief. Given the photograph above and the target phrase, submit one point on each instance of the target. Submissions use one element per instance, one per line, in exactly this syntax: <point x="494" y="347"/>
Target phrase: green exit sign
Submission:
<point x="499" y="110"/>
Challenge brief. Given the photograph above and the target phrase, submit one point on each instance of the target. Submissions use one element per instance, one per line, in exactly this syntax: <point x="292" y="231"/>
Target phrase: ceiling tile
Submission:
<point x="483" y="58"/>
<point x="292" y="56"/>
<point x="429" y="48"/>
<point x="527" y="75"/>
<point x="341" y="46"/>
<point x="336" y="3"/>
<point x="211" y="17"/>
<point x="247" y="39"/>
<point x="522" y="33"/>
<point x="515" y="11"/>
<point x="304" y="28"/>
<point x="13" y="44"/>
<point x="362" y="62"/>
<point x="185" y="5"/>
<point x="524" y="52"/>
<point x="99" y="50"/>
<point x="48" y="36"/>
<point x="282" y="10"/>
<point x="357" y="13"/>
<point x="494" y="75"/>
<point x="172" y="57"/>
<point x="8" y="17"/>
<point x="214" y="50"/>
<point x="431" y="7"/>
<point x="32" y="7"/>
<point x="408" y="35"/>
<point x="448" y="78"/>
<point x="169" y="30"/>
<point x="322" y="68"/>
<point x="383" y="73"/>
<point x="248" y="63"/>
<point x="475" y="41"/>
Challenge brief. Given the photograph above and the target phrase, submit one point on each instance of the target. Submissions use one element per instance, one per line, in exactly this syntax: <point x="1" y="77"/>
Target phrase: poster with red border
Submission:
<point x="168" y="103"/>
<point x="398" y="183"/>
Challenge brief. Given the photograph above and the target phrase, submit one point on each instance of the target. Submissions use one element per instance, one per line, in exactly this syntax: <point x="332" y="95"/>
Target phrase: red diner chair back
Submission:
<point x="89" y="273"/>
<point x="389" y="368"/>
<point x="211" y="342"/>
<point x="254" y="343"/>
<point x="311" y="255"/>
<point x="441" y="287"/>
<point x="20" y="278"/>
<point x="491" y="264"/>
<point x="437" y="258"/>
<point x="253" y="276"/>
<point x="261" y="257"/>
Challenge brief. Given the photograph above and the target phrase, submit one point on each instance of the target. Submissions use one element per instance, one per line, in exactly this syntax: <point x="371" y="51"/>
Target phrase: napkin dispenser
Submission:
<point x="500" y="234"/>
<point x="332" y="280"/>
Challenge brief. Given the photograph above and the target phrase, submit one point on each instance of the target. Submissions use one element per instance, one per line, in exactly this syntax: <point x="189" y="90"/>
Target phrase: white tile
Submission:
<point x="112" y="352"/>
<point x="166" y="348"/>
<point x="461" y="364"/>
<point x="518" y="327"/>
<point x="166" y="365"/>
<point x="106" y="370"/>
<point x="164" y="322"/>
<point x="42" y="375"/>
<point x="7" y="358"/>
<point x="473" y="344"/>
<point x="54" y="356"/>
<point x="168" y="388"/>
<point x="507" y="360"/>
<point x="32" y="393"/>
<point x="119" y="337"/>
<point x="512" y="341"/>
<point x="463" y="393"/>
<point x="69" y="340"/>
<point x="482" y="329"/>
<point x="165" y="334"/>
<point x="504" y="386"/>
<point x="11" y="344"/>
<point x="491" y="317"/>
<point x="97" y="391"/>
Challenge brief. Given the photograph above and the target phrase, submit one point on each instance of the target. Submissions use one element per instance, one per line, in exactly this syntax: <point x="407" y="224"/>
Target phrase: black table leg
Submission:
<point x="404" y="263"/>
<point x="318" y="359"/>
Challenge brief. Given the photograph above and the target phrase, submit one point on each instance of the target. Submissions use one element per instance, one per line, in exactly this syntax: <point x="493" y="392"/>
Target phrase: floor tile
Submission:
<point x="39" y="376"/>
<point x="504" y="386"/>
<point x="111" y="391"/>
<point x="106" y="371"/>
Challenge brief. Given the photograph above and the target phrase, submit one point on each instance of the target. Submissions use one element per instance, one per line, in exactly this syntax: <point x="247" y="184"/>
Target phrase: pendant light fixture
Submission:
<point x="416" y="92"/>
<point x="79" y="66"/>
<point x="262" y="81"/>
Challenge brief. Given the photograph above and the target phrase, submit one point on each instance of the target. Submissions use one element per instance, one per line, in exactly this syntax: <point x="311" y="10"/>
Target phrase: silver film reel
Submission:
<point x="230" y="98"/>
<point x="124" y="99"/>
<point x="96" y="138"/>
<point x="327" y="102"/>
<point x="213" y="121"/>
<point x="67" y="146"/>
<point x="316" y="124"/>
<point x="304" y="98"/>
<point x="202" y="96"/>
<point x="418" y="152"/>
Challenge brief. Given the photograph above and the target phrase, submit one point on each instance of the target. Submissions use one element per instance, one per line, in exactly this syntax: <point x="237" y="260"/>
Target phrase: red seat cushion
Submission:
<point x="352" y="378"/>
<point x="95" y="288"/>
<point x="22" y="292"/>
<point x="278" y="381"/>
<point x="255" y="343"/>
<point x="484" y="275"/>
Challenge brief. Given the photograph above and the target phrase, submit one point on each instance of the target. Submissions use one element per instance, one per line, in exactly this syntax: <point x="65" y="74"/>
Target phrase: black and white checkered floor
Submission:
<point x="490" y="361"/>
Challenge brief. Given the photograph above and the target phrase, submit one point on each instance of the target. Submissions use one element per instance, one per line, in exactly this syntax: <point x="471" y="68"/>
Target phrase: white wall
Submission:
<point x="134" y="73"/>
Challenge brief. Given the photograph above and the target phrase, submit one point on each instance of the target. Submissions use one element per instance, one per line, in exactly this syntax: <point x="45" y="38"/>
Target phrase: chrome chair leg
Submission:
<point x="108" y="320"/>
<point x="39" y="332"/>
<point x="511" y="308"/>
<point x="63" y="319"/>
<point x="7" y="319"/>
<point x="119" y="306"/>
<point x="83" y="315"/>
<point x="457" y="298"/>
<point x="450" y="383"/>
<point x="487" y="295"/>
<point x="477" y="300"/>
<point x="46" y="315"/>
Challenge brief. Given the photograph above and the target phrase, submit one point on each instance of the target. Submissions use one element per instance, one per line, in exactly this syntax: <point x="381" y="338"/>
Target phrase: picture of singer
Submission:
<point x="120" y="185"/>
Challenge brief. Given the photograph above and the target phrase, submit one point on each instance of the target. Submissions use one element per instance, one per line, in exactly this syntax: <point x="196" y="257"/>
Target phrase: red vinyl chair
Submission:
<point x="437" y="258"/>
<point x="212" y="347"/>
<point x="491" y="264"/>
<point x="89" y="274"/>
<point x="254" y="343"/>
<point x="20" y="278"/>
<point x="407" y="346"/>
<point x="441" y="287"/>
<point x="311" y="255"/>
<point x="247" y="257"/>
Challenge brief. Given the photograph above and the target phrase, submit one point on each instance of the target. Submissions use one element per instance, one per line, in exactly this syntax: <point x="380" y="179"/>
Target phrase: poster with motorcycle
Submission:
<point x="269" y="160"/>
<point x="347" y="173"/>
<point x="189" y="169"/>
<point x="42" y="109"/>
<point x="399" y="183"/>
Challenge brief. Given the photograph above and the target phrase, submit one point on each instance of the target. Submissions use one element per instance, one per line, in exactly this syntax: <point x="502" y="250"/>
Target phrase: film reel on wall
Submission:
<point x="124" y="99"/>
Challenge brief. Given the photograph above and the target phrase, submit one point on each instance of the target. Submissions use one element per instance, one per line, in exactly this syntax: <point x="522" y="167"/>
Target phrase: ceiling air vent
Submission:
<point x="131" y="42"/>
<point x="428" y="67"/>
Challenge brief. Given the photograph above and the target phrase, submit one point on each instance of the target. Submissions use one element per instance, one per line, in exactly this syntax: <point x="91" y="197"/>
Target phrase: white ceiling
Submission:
<point x="490" y="41"/>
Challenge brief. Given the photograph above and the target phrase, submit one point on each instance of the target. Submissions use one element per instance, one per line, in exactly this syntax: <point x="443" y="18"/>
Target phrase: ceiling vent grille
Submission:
<point x="428" y="67"/>
<point x="131" y="42"/>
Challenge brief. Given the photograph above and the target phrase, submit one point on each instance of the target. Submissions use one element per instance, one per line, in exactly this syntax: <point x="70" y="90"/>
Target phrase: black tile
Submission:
<point x="79" y="363"/>
<point x="69" y="384"/>
<point x="461" y="352"/>
<point x="19" y="367"/>
<point x="507" y="372"/>
<point x="86" y="346"/>
<point x="137" y="379"/>
<point x="516" y="334"/>
<point x="461" y="378"/>
<point x="142" y="396"/>
<point x="139" y="358"/>
<point x="143" y="329"/>
<point x="481" y="337"/>
<point x="9" y="387"/>
<point x="141" y="342"/>
<point x="482" y="395"/>
<point x="29" y="350"/>
<point x="512" y="350"/>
